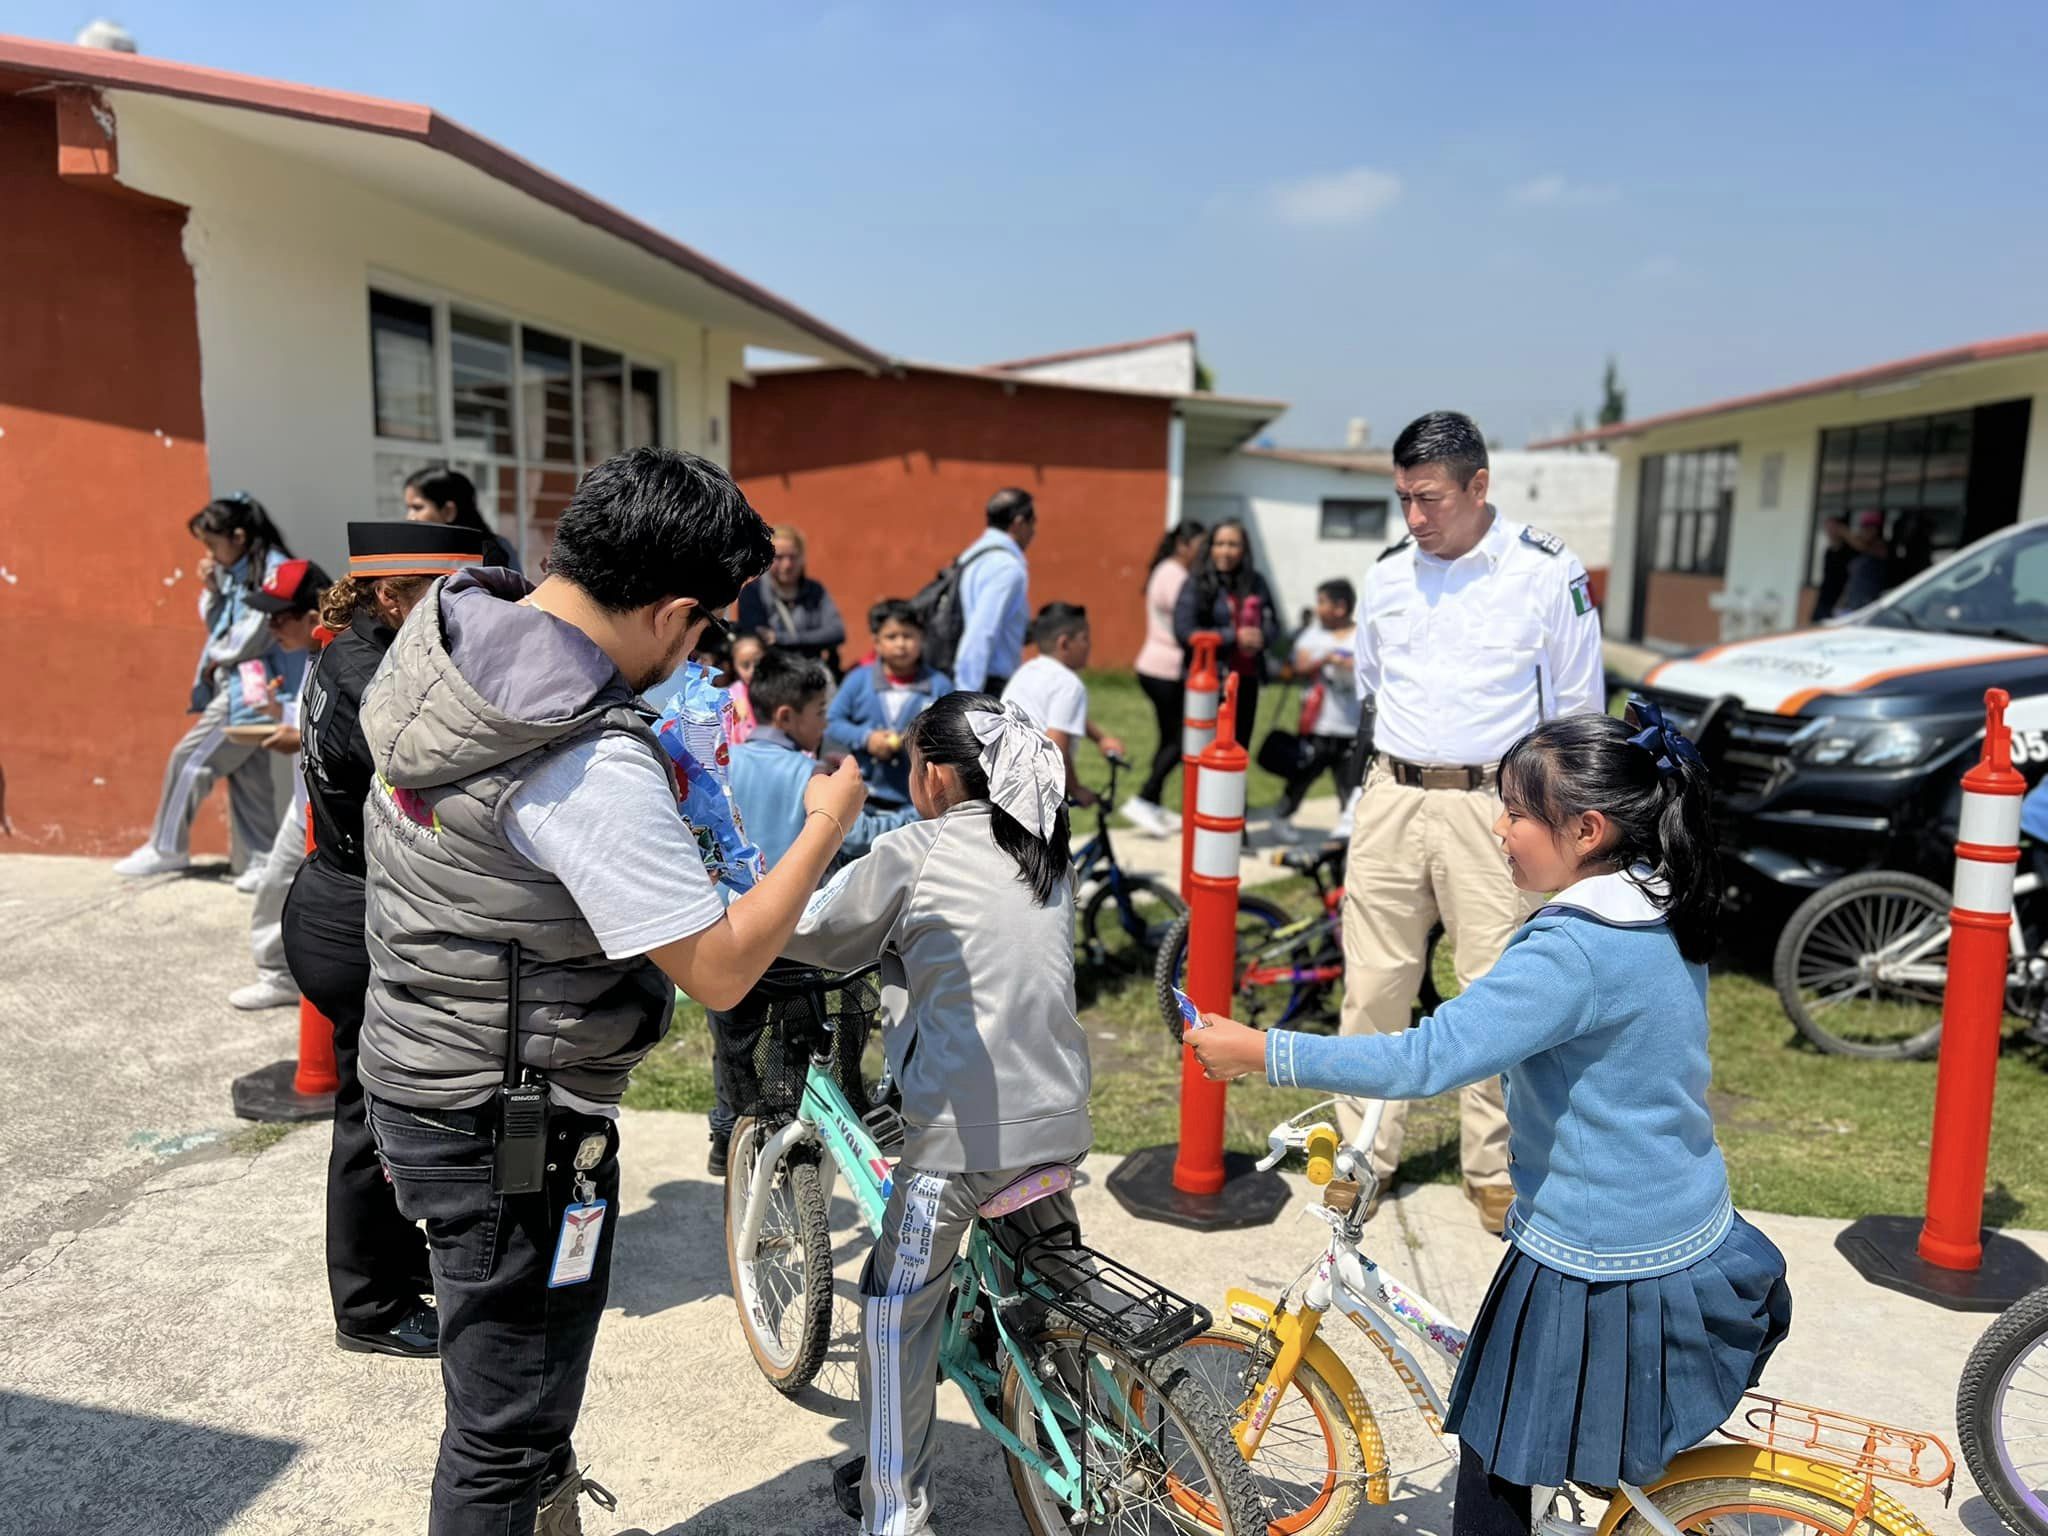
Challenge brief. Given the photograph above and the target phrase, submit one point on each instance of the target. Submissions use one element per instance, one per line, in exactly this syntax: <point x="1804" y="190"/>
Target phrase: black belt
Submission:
<point x="1426" y="776"/>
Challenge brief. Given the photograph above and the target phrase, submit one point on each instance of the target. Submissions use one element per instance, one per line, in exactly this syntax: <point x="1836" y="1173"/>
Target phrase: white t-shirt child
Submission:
<point x="1053" y="695"/>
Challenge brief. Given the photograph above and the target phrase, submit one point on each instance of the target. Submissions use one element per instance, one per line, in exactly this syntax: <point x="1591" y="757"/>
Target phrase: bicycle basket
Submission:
<point x="793" y="1015"/>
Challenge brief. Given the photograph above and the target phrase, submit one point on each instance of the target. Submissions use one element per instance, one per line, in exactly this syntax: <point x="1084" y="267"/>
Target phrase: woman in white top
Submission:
<point x="1326" y="662"/>
<point x="1161" y="668"/>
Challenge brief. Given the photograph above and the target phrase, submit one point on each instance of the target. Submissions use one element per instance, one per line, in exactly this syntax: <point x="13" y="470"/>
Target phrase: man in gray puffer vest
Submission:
<point x="528" y="868"/>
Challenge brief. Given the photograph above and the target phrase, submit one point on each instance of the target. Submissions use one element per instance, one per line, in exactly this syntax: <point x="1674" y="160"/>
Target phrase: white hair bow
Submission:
<point x="1027" y="776"/>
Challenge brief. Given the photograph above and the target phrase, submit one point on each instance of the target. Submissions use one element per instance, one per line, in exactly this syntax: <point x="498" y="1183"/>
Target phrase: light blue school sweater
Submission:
<point x="768" y="773"/>
<point x="1600" y="1027"/>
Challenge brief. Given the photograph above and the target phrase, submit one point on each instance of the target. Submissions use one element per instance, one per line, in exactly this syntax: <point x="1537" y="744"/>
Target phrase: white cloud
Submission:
<point x="1562" y="192"/>
<point x="1337" y="197"/>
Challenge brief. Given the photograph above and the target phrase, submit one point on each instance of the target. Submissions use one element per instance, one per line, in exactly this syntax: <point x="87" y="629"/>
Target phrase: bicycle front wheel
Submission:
<point x="1159" y="1456"/>
<point x="784" y="1292"/>
<point x="2002" y="1413"/>
<point x="1758" y="1506"/>
<point x="1861" y="966"/>
<point x="1266" y="1006"/>
<point x="1123" y="927"/>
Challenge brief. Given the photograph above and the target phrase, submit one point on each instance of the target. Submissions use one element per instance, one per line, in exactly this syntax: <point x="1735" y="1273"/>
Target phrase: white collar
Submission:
<point x="1493" y="545"/>
<point x="1632" y="900"/>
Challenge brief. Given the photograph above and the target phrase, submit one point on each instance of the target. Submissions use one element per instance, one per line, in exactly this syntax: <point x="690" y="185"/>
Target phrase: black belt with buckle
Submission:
<point x="1425" y="776"/>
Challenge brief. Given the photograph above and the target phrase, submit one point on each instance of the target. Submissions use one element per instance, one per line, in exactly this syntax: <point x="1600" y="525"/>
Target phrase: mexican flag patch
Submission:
<point x="1582" y="595"/>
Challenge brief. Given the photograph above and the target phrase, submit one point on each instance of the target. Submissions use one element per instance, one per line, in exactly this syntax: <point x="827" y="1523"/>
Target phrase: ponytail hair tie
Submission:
<point x="1658" y="737"/>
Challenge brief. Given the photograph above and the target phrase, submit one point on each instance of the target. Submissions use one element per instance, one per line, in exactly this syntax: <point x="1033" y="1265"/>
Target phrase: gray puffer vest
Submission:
<point x="474" y="692"/>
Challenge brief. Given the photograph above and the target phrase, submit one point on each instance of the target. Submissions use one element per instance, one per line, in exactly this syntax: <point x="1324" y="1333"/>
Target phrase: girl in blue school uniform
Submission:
<point x="1634" y="1306"/>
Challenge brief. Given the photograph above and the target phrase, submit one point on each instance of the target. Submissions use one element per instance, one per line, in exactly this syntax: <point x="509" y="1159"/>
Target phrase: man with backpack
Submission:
<point x="989" y="599"/>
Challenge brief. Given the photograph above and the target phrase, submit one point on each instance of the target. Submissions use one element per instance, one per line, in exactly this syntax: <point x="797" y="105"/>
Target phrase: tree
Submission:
<point x="1205" y="381"/>
<point x="1613" y="398"/>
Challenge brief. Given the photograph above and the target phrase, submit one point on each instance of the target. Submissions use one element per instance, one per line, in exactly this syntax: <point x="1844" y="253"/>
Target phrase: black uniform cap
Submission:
<point x="411" y="549"/>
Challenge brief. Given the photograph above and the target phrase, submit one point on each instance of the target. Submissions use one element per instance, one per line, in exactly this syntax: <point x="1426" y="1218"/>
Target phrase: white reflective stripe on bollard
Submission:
<point x="1220" y="793"/>
<point x="1982" y="886"/>
<point x="1990" y="821"/>
<point x="1216" y="853"/>
<point x="1196" y="738"/>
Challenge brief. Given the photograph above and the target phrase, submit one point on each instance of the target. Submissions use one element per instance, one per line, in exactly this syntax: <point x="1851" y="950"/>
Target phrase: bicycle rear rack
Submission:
<point x="1106" y="1300"/>
<point x="1848" y="1441"/>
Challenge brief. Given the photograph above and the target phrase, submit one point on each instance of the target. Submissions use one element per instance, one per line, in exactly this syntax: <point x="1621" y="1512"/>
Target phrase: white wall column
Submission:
<point x="1176" y="457"/>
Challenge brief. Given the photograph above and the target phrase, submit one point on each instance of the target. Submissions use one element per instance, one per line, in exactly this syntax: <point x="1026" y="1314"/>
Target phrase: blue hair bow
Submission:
<point x="1658" y="737"/>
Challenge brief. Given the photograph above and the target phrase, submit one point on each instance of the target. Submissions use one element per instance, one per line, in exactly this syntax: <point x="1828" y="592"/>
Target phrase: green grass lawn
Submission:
<point x="1118" y="707"/>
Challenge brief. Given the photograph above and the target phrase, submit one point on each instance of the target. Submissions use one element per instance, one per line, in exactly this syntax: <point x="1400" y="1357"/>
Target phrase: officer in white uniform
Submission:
<point x="1472" y="630"/>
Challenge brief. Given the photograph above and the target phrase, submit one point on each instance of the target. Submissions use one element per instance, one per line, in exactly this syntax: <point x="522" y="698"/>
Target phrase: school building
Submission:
<point x="220" y="283"/>
<point x="1718" y="508"/>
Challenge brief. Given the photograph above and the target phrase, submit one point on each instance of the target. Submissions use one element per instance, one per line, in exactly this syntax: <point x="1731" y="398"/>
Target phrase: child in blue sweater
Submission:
<point x="1634" y="1306"/>
<point x="871" y="713"/>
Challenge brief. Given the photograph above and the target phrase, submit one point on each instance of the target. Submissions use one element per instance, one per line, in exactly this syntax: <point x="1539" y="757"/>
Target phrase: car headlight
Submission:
<point x="1868" y="744"/>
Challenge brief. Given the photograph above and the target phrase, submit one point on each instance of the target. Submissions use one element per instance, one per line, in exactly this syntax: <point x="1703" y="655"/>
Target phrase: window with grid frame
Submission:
<point x="521" y="409"/>
<point x="1913" y="471"/>
<point x="1688" y="501"/>
<point x="1354" y="517"/>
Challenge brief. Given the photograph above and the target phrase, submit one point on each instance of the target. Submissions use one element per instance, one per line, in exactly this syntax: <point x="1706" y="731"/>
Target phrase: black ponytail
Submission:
<point x="942" y="735"/>
<point x="242" y="513"/>
<point x="1662" y="816"/>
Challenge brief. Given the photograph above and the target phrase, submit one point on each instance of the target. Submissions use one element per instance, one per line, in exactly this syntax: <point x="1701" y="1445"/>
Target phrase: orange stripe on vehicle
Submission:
<point x="1708" y="654"/>
<point x="1806" y="696"/>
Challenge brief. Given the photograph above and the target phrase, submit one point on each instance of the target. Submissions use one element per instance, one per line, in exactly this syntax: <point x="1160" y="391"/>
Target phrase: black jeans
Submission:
<point x="1169" y="698"/>
<point x="1485" y="1505"/>
<point x="515" y="1352"/>
<point x="723" y="1115"/>
<point x="1247" y="707"/>
<point x="376" y="1259"/>
<point x="1323" y="754"/>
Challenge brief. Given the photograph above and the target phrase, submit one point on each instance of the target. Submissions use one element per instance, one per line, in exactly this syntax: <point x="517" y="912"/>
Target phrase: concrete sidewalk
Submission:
<point x="169" y="1364"/>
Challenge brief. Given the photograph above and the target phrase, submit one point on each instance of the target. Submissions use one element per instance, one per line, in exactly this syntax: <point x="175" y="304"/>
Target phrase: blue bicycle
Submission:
<point x="1070" y="1360"/>
<point x="1125" y="918"/>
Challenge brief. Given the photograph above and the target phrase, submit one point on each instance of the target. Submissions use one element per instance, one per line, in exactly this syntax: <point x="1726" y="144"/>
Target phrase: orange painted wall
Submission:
<point x="888" y="477"/>
<point x="103" y="458"/>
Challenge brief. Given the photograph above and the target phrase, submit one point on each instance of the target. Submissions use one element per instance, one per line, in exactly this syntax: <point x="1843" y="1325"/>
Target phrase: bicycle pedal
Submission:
<point x="886" y="1126"/>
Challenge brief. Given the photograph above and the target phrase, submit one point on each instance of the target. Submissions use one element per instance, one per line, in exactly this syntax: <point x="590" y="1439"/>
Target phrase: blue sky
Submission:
<point x="1365" y="210"/>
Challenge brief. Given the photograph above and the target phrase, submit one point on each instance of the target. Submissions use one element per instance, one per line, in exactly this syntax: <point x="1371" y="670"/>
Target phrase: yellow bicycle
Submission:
<point x="1316" y="1447"/>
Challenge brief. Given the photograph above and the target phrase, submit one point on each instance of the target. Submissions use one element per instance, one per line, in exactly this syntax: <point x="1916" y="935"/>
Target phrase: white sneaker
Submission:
<point x="1283" y="830"/>
<point x="1145" y="816"/>
<point x="247" y="881"/>
<point x="264" y="992"/>
<point x="147" y="860"/>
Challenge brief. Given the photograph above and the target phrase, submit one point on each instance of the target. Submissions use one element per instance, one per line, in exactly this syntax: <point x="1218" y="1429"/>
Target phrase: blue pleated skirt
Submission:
<point x="1601" y="1381"/>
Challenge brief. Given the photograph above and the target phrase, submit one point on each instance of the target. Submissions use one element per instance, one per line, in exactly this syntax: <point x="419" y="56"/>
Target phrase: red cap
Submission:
<point x="294" y="587"/>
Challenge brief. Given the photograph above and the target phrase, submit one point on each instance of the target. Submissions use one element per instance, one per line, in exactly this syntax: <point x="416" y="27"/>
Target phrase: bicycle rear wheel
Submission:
<point x="1756" y="1506"/>
<point x="1160" y="1458"/>
<point x="784" y="1293"/>
<point x="1862" y="964"/>
<point x="2002" y="1413"/>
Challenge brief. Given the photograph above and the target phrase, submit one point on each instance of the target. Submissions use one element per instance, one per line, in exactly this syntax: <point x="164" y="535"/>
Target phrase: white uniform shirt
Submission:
<point x="1464" y="657"/>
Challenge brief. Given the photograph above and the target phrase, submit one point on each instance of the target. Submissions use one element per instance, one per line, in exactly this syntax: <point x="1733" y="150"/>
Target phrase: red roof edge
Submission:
<point x="405" y="120"/>
<point x="1862" y="378"/>
<point x="1080" y="352"/>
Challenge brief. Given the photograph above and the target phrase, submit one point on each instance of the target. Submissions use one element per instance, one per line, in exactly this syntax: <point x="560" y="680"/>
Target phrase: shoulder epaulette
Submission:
<point x="1394" y="549"/>
<point x="1549" y="543"/>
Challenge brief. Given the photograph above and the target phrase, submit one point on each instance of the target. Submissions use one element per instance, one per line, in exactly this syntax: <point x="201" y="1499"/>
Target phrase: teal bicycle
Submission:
<point x="1070" y="1360"/>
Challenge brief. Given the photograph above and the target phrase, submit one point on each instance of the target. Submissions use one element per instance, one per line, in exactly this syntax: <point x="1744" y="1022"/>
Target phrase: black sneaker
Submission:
<point x="846" y="1479"/>
<point x="416" y="1336"/>
<point x="721" y="1146"/>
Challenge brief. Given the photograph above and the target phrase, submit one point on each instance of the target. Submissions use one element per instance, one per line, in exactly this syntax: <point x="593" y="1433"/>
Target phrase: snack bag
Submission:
<point x="1190" y="1015"/>
<point x="695" y="730"/>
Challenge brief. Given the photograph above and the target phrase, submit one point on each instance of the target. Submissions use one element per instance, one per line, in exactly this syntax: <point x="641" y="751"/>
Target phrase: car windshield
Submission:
<point x="1998" y="588"/>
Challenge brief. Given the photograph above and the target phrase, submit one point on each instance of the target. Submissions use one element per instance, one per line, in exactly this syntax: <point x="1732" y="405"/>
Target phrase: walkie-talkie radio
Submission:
<point x="522" y="1108"/>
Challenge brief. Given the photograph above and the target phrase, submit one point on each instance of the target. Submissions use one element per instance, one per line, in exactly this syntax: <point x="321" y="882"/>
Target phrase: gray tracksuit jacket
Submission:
<point x="977" y="993"/>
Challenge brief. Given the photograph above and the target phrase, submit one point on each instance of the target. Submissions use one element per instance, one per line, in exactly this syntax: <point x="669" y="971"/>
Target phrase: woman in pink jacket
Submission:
<point x="1161" y="670"/>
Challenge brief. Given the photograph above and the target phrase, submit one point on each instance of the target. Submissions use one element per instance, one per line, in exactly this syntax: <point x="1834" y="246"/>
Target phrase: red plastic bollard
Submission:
<point x="1198" y="729"/>
<point x="1973" y="1005"/>
<point x="316" y="1072"/>
<point x="1218" y="824"/>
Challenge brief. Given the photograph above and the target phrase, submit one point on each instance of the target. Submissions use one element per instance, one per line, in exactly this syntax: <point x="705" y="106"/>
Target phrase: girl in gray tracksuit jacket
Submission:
<point x="971" y="912"/>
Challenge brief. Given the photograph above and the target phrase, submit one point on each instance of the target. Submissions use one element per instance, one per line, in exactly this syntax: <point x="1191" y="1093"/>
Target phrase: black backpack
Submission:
<point x="938" y="608"/>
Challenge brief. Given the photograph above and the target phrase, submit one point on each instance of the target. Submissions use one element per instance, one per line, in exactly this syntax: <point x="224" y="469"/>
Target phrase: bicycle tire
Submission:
<point x="1817" y="942"/>
<point x="1987" y="1375"/>
<point x="789" y="1365"/>
<point x="1229" y="1503"/>
<point x="1311" y="1467"/>
<point x="1692" y="1504"/>
<point x="1265" y="918"/>
<point x="1129" y="953"/>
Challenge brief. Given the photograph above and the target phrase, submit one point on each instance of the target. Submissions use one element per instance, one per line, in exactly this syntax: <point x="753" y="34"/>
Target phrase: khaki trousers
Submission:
<point x="1417" y="855"/>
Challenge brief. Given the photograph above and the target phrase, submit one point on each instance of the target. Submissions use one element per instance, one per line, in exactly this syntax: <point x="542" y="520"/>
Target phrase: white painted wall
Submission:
<point x="1168" y="369"/>
<point x="1569" y="494"/>
<point x="1768" y="547"/>
<point x="283" y="251"/>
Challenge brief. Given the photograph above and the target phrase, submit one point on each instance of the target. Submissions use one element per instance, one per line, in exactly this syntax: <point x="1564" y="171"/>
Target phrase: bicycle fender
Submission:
<point x="1250" y="1314"/>
<point x="1707" y="1461"/>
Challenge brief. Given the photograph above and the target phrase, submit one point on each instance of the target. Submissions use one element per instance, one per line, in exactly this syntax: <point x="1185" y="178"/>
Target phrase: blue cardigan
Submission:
<point x="857" y="709"/>
<point x="1600" y="1027"/>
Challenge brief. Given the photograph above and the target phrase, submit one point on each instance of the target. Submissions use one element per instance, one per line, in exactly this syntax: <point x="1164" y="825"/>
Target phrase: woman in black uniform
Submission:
<point x="376" y="1259"/>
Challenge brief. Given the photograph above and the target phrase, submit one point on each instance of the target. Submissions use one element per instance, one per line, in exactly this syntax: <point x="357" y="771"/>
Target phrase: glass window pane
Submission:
<point x="1688" y="523"/>
<point x="480" y="360"/>
<point x="604" y="404"/>
<point x="1948" y="448"/>
<point x="390" y="471"/>
<point x="645" y="427"/>
<point x="1834" y="463"/>
<point x="1866" y="466"/>
<point x="402" y="368"/>
<point x="1671" y="483"/>
<point x="544" y="497"/>
<point x="1708" y="559"/>
<point x="1667" y="536"/>
<point x="547" y="397"/>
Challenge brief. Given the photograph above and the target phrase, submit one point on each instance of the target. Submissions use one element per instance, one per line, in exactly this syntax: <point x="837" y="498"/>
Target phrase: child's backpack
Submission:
<point x="937" y="604"/>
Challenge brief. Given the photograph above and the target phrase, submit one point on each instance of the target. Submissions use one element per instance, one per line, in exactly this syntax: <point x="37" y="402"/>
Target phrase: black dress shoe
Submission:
<point x="846" y="1486"/>
<point x="416" y="1336"/>
<point x="721" y="1147"/>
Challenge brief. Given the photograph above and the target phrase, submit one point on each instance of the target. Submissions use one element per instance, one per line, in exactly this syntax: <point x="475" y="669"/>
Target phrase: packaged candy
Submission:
<point x="253" y="677"/>
<point x="695" y="730"/>
<point x="1190" y="1015"/>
